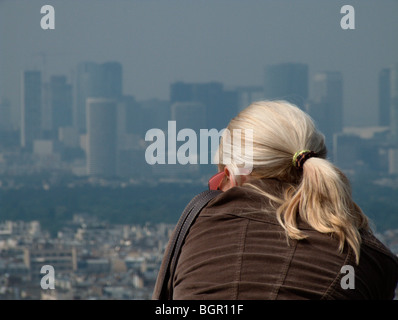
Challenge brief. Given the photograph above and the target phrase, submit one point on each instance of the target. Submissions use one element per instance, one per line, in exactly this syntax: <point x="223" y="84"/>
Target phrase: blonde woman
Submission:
<point x="287" y="230"/>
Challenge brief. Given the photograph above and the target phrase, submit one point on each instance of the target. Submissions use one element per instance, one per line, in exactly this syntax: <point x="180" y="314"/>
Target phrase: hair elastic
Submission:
<point x="302" y="156"/>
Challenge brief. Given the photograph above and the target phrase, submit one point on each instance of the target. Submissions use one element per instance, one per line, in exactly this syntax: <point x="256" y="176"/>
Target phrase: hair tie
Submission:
<point x="302" y="156"/>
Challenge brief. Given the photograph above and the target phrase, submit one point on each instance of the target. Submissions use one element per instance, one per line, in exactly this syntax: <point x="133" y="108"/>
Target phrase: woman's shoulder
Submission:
<point x="371" y="243"/>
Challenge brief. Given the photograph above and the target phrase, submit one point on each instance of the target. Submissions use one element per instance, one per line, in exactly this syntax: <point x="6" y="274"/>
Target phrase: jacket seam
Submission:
<point x="238" y="273"/>
<point x="331" y="288"/>
<point x="284" y="271"/>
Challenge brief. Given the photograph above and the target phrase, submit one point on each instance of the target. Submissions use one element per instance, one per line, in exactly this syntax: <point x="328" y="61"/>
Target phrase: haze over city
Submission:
<point x="159" y="42"/>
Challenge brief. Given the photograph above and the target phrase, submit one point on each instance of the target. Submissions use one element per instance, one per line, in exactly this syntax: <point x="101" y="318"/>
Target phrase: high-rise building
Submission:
<point x="221" y="105"/>
<point x="248" y="95"/>
<point x="60" y="99"/>
<point x="153" y="113"/>
<point x="188" y="115"/>
<point x="191" y="115"/>
<point x="394" y="104"/>
<point x="384" y="97"/>
<point x="326" y="106"/>
<point x="112" y="80"/>
<point x="95" y="80"/>
<point x="393" y="154"/>
<point x="5" y="115"/>
<point x="130" y="123"/>
<point x="182" y="92"/>
<point x="31" y="104"/>
<point x="287" y="81"/>
<point x="130" y="119"/>
<point x="87" y="81"/>
<point x="101" y="136"/>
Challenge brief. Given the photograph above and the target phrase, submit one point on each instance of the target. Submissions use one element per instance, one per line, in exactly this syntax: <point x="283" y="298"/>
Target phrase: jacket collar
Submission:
<point x="246" y="202"/>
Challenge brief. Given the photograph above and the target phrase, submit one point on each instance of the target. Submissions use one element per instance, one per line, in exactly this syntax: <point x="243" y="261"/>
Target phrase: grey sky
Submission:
<point x="161" y="41"/>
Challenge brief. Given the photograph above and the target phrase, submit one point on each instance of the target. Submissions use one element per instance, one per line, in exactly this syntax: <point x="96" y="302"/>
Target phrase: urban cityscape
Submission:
<point x="82" y="131"/>
<point x="86" y="126"/>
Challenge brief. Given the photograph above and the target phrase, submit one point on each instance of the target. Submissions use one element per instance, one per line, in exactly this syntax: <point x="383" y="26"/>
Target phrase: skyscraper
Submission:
<point x="221" y="105"/>
<point x="31" y="103"/>
<point x="394" y="104"/>
<point x="393" y="154"/>
<point x="191" y="115"/>
<point x="111" y="85"/>
<point x="384" y="97"/>
<point x="60" y="99"/>
<point x="101" y="137"/>
<point x="287" y="81"/>
<point x="248" y="94"/>
<point x="95" y="80"/>
<point x="86" y="85"/>
<point x="328" y="91"/>
<point x="5" y="115"/>
<point x="326" y="106"/>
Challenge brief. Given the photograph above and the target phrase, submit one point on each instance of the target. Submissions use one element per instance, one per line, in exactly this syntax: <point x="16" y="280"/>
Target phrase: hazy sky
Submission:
<point x="161" y="41"/>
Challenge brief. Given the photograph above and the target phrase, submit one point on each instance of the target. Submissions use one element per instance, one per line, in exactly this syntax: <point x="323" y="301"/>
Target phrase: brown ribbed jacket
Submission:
<point x="236" y="249"/>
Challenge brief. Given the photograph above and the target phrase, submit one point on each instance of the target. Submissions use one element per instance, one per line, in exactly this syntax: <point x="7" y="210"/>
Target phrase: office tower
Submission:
<point x="328" y="91"/>
<point x="394" y="104"/>
<point x="5" y="115"/>
<point x="228" y="109"/>
<point x="393" y="154"/>
<point x="347" y="150"/>
<point x="181" y="92"/>
<point x="221" y="105"/>
<point x="384" y="97"/>
<point x="101" y="136"/>
<point x="191" y="115"/>
<point x="326" y="107"/>
<point x="248" y="95"/>
<point x="130" y="120"/>
<point x="130" y="152"/>
<point x="31" y="103"/>
<point x="60" y="100"/>
<point x="95" y="80"/>
<point x="69" y="137"/>
<point x="112" y="80"/>
<point x="154" y="113"/>
<point x="86" y="85"/>
<point x="287" y="81"/>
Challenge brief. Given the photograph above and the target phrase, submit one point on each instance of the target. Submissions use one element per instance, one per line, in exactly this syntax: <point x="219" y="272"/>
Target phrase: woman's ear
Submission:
<point x="234" y="181"/>
<point x="228" y="182"/>
<point x="229" y="177"/>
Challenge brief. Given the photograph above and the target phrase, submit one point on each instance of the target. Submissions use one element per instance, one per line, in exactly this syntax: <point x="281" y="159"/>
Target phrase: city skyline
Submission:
<point x="229" y="42"/>
<point x="54" y="119"/>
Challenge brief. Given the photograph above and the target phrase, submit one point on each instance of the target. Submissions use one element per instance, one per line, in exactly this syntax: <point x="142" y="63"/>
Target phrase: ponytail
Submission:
<point x="323" y="200"/>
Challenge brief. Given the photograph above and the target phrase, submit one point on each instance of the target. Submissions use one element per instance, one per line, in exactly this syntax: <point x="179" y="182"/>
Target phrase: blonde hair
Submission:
<point x="319" y="193"/>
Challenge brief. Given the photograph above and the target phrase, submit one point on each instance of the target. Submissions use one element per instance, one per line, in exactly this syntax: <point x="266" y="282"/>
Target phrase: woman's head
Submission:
<point x="317" y="191"/>
<point x="279" y="129"/>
